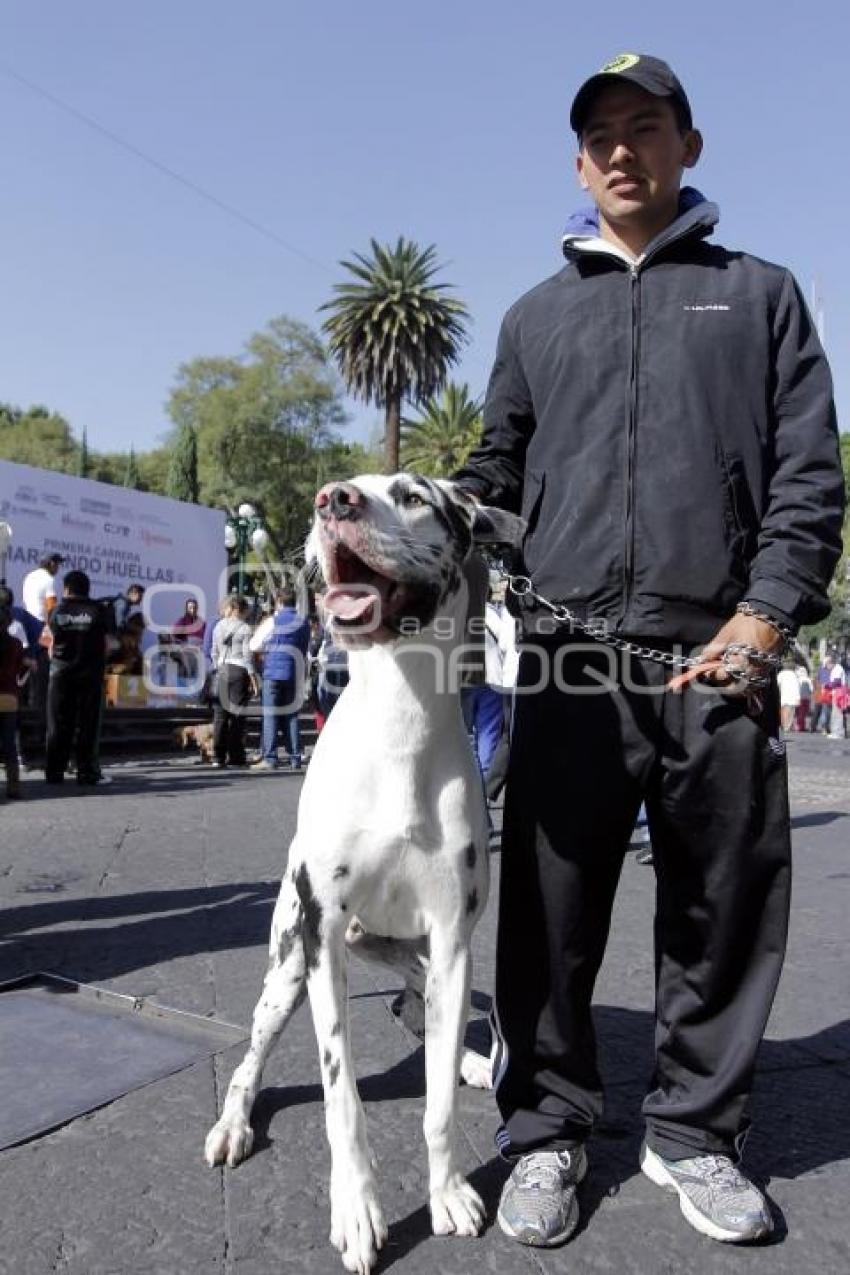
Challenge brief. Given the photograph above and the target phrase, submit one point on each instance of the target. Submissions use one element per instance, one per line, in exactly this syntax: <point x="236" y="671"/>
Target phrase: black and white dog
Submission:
<point x="390" y="851"/>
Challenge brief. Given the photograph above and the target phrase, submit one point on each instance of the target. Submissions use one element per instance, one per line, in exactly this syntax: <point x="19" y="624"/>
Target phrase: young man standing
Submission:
<point x="660" y="412"/>
<point x="75" y="694"/>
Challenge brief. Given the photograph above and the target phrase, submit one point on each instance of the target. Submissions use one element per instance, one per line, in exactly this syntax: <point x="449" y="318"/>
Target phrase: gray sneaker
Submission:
<point x="714" y="1195"/>
<point x="538" y="1204"/>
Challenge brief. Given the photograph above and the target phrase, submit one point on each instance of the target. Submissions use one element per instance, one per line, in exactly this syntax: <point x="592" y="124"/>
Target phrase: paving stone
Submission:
<point x="163" y="885"/>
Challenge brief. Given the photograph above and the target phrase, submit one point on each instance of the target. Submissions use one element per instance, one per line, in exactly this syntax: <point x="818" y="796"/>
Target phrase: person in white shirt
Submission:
<point x="40" y="594"/>
<point x="837" y="684"/>
<point x="789" y="695"/>
<point x="40" y="590"/>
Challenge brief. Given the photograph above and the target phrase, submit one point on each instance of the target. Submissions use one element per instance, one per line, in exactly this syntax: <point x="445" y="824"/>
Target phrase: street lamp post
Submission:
<point x="244" y="530"/>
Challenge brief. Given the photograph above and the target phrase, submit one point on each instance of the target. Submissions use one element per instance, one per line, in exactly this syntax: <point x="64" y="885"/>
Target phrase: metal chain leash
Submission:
<point x="597" y="630"/>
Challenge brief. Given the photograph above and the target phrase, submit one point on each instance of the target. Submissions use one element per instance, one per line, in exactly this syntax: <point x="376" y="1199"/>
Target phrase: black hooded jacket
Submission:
<point x="667" y="429"/>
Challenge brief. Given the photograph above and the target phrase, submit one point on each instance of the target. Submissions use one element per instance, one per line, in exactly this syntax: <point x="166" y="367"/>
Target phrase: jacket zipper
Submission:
<point x="631" y="425"/>
<point x="634" y="270"/>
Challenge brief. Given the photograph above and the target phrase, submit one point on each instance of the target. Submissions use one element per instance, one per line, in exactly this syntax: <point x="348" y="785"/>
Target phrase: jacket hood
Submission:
<point x="696" y="215"/>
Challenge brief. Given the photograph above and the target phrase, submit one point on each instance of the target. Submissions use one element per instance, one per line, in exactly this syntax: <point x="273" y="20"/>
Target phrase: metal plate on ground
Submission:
<point x="69" y="1048"/>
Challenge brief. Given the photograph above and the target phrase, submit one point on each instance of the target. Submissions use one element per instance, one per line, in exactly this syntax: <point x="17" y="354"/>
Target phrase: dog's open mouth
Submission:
<point x="357" y="596"/>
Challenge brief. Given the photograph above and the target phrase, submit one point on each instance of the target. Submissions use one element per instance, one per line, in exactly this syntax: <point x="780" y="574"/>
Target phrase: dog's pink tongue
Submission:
<point x="349" y="602"/>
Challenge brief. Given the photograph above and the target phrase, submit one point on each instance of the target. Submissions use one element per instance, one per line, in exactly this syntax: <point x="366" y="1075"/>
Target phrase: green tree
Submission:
<point x="182" y="480"/>
<point x="266" y="424"/>
<point x="393" y="332"/>
<point x="440" y="439"/>
<point x="836" y="626"/>
<point x="38" y="437"/>
<point x="153" y="470"/>
<point x="83" y="459"/>
<point x="132" y="477"/>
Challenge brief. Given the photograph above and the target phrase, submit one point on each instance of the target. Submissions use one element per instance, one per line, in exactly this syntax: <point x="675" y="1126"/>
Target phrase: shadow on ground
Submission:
<point x="818" y="819"/>
<point x="797" y="1080"/>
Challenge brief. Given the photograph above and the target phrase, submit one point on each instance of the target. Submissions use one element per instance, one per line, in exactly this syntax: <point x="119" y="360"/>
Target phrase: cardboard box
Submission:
<point x="125" y="691"/>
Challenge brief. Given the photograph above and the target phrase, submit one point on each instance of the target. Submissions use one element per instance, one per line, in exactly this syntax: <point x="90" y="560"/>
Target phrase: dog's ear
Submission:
<point x="492" y="526"/>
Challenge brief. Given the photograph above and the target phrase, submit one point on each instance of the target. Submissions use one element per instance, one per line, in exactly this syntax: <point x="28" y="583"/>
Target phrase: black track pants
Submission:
<point x="73" y="713"/>
<point x="715" y="786"/>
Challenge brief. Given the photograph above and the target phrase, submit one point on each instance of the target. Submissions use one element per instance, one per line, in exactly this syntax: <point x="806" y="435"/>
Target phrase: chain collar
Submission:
<point x="597" y="630"/>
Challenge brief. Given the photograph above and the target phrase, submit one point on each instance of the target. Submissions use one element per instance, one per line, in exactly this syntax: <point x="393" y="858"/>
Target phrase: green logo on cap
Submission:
<point x="621" y="63"/>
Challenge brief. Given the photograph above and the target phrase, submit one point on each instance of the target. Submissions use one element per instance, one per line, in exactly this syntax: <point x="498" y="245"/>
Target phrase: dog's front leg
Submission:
<point x="231" y="1137"/>
<point x="358" y="1228"/>
<point x="455" y="1206"/>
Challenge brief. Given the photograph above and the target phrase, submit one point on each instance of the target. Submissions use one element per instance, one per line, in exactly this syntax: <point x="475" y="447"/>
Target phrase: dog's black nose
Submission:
<point x="339" y="500"/>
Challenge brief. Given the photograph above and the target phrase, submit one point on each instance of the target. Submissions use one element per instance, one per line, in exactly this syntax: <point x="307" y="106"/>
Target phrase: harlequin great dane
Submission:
<point x="390" y="850"/>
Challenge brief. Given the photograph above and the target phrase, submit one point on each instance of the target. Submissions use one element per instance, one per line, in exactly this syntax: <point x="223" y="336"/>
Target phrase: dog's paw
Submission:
<point x="476" y="1070"/>
<point x="358" y="1228"/>
<point x="456" y="1208"/>
<point x="229" y="1142"/>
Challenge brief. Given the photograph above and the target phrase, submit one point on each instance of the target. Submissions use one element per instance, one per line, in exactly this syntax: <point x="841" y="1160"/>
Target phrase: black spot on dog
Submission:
<point x="326" y="1057"/>
<point x="342" y="871"/>
<point x="288" y="939"/>
<point x="397" y="492"/>
<point x="449" y="516"/>
<point x="471" y="856"/>
<point x="471" y="902"/>
<point x="336" y="1029"/>
<point x="343" y="906"/>
<point x="333" y="1074"/>
<point x="311" y="916"/>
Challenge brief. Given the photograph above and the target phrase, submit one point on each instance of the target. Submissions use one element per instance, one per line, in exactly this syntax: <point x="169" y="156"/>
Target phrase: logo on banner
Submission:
<point x="50" y="498"/>
<point x="153" y="538"/>
<point x="89" y="506"/>
<point x="79" y="524"/>
<point x="28" y="494"/>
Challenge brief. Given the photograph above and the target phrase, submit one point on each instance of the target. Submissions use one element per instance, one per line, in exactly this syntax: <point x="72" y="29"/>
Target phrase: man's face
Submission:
<point x="631" y="156"/>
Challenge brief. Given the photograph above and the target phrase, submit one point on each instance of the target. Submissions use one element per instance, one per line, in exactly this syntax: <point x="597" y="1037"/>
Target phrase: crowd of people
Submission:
<point x="58" y="646"/>
<point x="818" y="703"/>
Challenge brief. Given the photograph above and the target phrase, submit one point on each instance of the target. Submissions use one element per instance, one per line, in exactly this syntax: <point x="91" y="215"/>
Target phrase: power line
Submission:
<point x="96" y="127"/>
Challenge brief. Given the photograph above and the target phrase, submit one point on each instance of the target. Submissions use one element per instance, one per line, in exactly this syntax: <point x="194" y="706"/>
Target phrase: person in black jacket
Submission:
<point x="79" y="630"/>
<point x="660" y="412"/>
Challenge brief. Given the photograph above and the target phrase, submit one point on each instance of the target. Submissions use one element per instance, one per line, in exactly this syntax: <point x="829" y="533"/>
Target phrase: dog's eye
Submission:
<point x="412" y="500"/>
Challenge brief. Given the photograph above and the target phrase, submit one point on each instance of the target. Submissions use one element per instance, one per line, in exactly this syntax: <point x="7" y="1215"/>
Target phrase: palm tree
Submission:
<point x="393" y="333"/>
<point x="445" y="433"/>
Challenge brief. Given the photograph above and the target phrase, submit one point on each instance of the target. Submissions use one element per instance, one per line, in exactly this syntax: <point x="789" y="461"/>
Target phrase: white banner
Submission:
<point x="118" y="536"/>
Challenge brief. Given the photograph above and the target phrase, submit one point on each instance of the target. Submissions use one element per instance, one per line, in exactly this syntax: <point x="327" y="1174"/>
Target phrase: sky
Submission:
<point x="176" y="174"/>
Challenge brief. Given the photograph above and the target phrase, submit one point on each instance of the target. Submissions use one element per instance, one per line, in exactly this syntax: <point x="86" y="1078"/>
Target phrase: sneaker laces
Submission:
<point x="543" y="1170"/>
<point x="724" y="1173"/>
<point x="728" y="1182"/>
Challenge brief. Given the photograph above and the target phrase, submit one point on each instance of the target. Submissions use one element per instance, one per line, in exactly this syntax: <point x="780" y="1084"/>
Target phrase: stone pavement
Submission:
<point x="162" y="886"/>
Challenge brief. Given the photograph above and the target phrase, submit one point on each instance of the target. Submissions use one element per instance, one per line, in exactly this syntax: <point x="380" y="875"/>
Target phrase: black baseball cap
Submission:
<point x="638" y="68"/>
<point x="46" y="559"/>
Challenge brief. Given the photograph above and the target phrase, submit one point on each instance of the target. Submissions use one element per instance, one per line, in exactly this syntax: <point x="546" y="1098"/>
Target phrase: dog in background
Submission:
<point x="390" y="855"/>
<point x="200" y="737"/>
